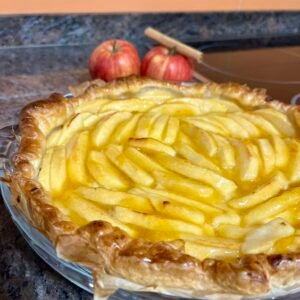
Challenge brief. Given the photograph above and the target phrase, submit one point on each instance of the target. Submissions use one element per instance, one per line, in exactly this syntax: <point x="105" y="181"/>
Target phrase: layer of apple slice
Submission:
<point x="232" y="231"/>
<point x="231" y="126"/>
<point x="273" y="206"/>
<point x="184" y="200"/>
<point x="206" y="125"/>
<point x="171" y="130"/>
<point x="230" y="105"/>
<point x="92" y="212"/>
<point x="208" y="105"/>
<point x="174" y="210"/>
<point x="44" y="174"/>
<point x="132" y="170"/>
<point x="181" y="166"/>
<point x="58" y="169"/>
<point x="105" y="173"/>
<point x="204" y="105"/>
<point x="76" y="151"/>
<point x="151" y="145"/>
<point x="228" y="217"/>
<point x="158" y="127"/>
<point x="261" y="123"/>
<point x="79" y="122"/>
<point x="279" y="120"/>
<point x="196" y="157"/>
<point x="184" y="186"/>
<point x="145" y="124"/>
<point x="262" y="193"/>
<point x="201" y="138"/>
<point x="142" y="160"/>
<point x="71" y="127"/>
<point x="126" y="129"/>
<point x="267" y="154"/>
<point x="248" y="159"/>
<point x="131" y="105"/>
<point x="252" y="130"/>
<point x="106" y="126"/>
<point x="154" y="222"/>
<point x="90" y="120"/>
<point x="157" y="95"/>
<point x="176" y="109"/>
<point x="225" y="154"/>
<point x="203" y="248"/>
<point x="261" y="239"/>
<point x="282" y="151"/>
<point x="107" y="197"/>
<point x="293" y="168"/>
<point x="91" y="105"/>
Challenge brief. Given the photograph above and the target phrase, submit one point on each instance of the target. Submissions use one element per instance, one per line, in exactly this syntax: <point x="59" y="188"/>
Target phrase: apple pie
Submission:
<point x="189" y="190"/>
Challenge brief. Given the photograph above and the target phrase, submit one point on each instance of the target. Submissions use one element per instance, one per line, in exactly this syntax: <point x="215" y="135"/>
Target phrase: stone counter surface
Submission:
<point x="27" y="75"/>
<point x="87" y="29"/>
<point x="36" y="59"/>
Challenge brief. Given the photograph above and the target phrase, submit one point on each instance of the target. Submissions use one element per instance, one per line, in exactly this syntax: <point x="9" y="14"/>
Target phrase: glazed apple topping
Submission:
<point x="219" y="176"/>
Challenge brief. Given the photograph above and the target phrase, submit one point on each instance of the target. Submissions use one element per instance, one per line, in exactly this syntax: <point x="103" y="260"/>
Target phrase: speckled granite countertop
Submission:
<point x="32" y="73"/>
<point x="29" y="73"/>
<point x="86" y="29"/>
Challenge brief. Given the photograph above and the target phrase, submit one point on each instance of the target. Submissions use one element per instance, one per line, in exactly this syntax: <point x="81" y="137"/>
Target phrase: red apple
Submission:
<point x="165" y="64"/>
<point x="114" y="59"/>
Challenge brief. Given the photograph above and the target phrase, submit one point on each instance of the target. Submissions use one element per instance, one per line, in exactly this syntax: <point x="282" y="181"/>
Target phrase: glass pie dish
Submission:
<point x="78" y="275"/>
<point x="9" y="142"/>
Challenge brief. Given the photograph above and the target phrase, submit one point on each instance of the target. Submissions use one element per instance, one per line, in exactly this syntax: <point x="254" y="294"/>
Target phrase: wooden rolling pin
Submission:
<point x="181" y="48"/>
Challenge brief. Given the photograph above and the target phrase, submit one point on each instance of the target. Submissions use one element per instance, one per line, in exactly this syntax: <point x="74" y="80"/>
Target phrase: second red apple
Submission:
<point x="166" y="64"/>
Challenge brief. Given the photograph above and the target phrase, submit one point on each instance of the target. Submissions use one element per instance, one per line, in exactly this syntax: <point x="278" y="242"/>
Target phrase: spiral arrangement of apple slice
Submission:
<point x="222" y="178"/>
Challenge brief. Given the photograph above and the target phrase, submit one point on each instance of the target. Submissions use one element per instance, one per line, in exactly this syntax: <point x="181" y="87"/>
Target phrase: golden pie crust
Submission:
<point x="110" y="252"/>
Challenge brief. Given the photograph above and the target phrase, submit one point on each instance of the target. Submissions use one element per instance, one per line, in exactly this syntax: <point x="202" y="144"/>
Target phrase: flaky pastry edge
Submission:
<point x="117" y="260"/>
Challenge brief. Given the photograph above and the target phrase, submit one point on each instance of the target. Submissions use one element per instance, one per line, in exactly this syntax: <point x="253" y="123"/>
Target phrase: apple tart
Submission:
<point x="187" y="190"/>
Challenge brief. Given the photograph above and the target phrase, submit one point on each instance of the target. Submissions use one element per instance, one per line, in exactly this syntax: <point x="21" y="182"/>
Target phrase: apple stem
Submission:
<point x="172" y="51"/>
<point x="114" y="48"/>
